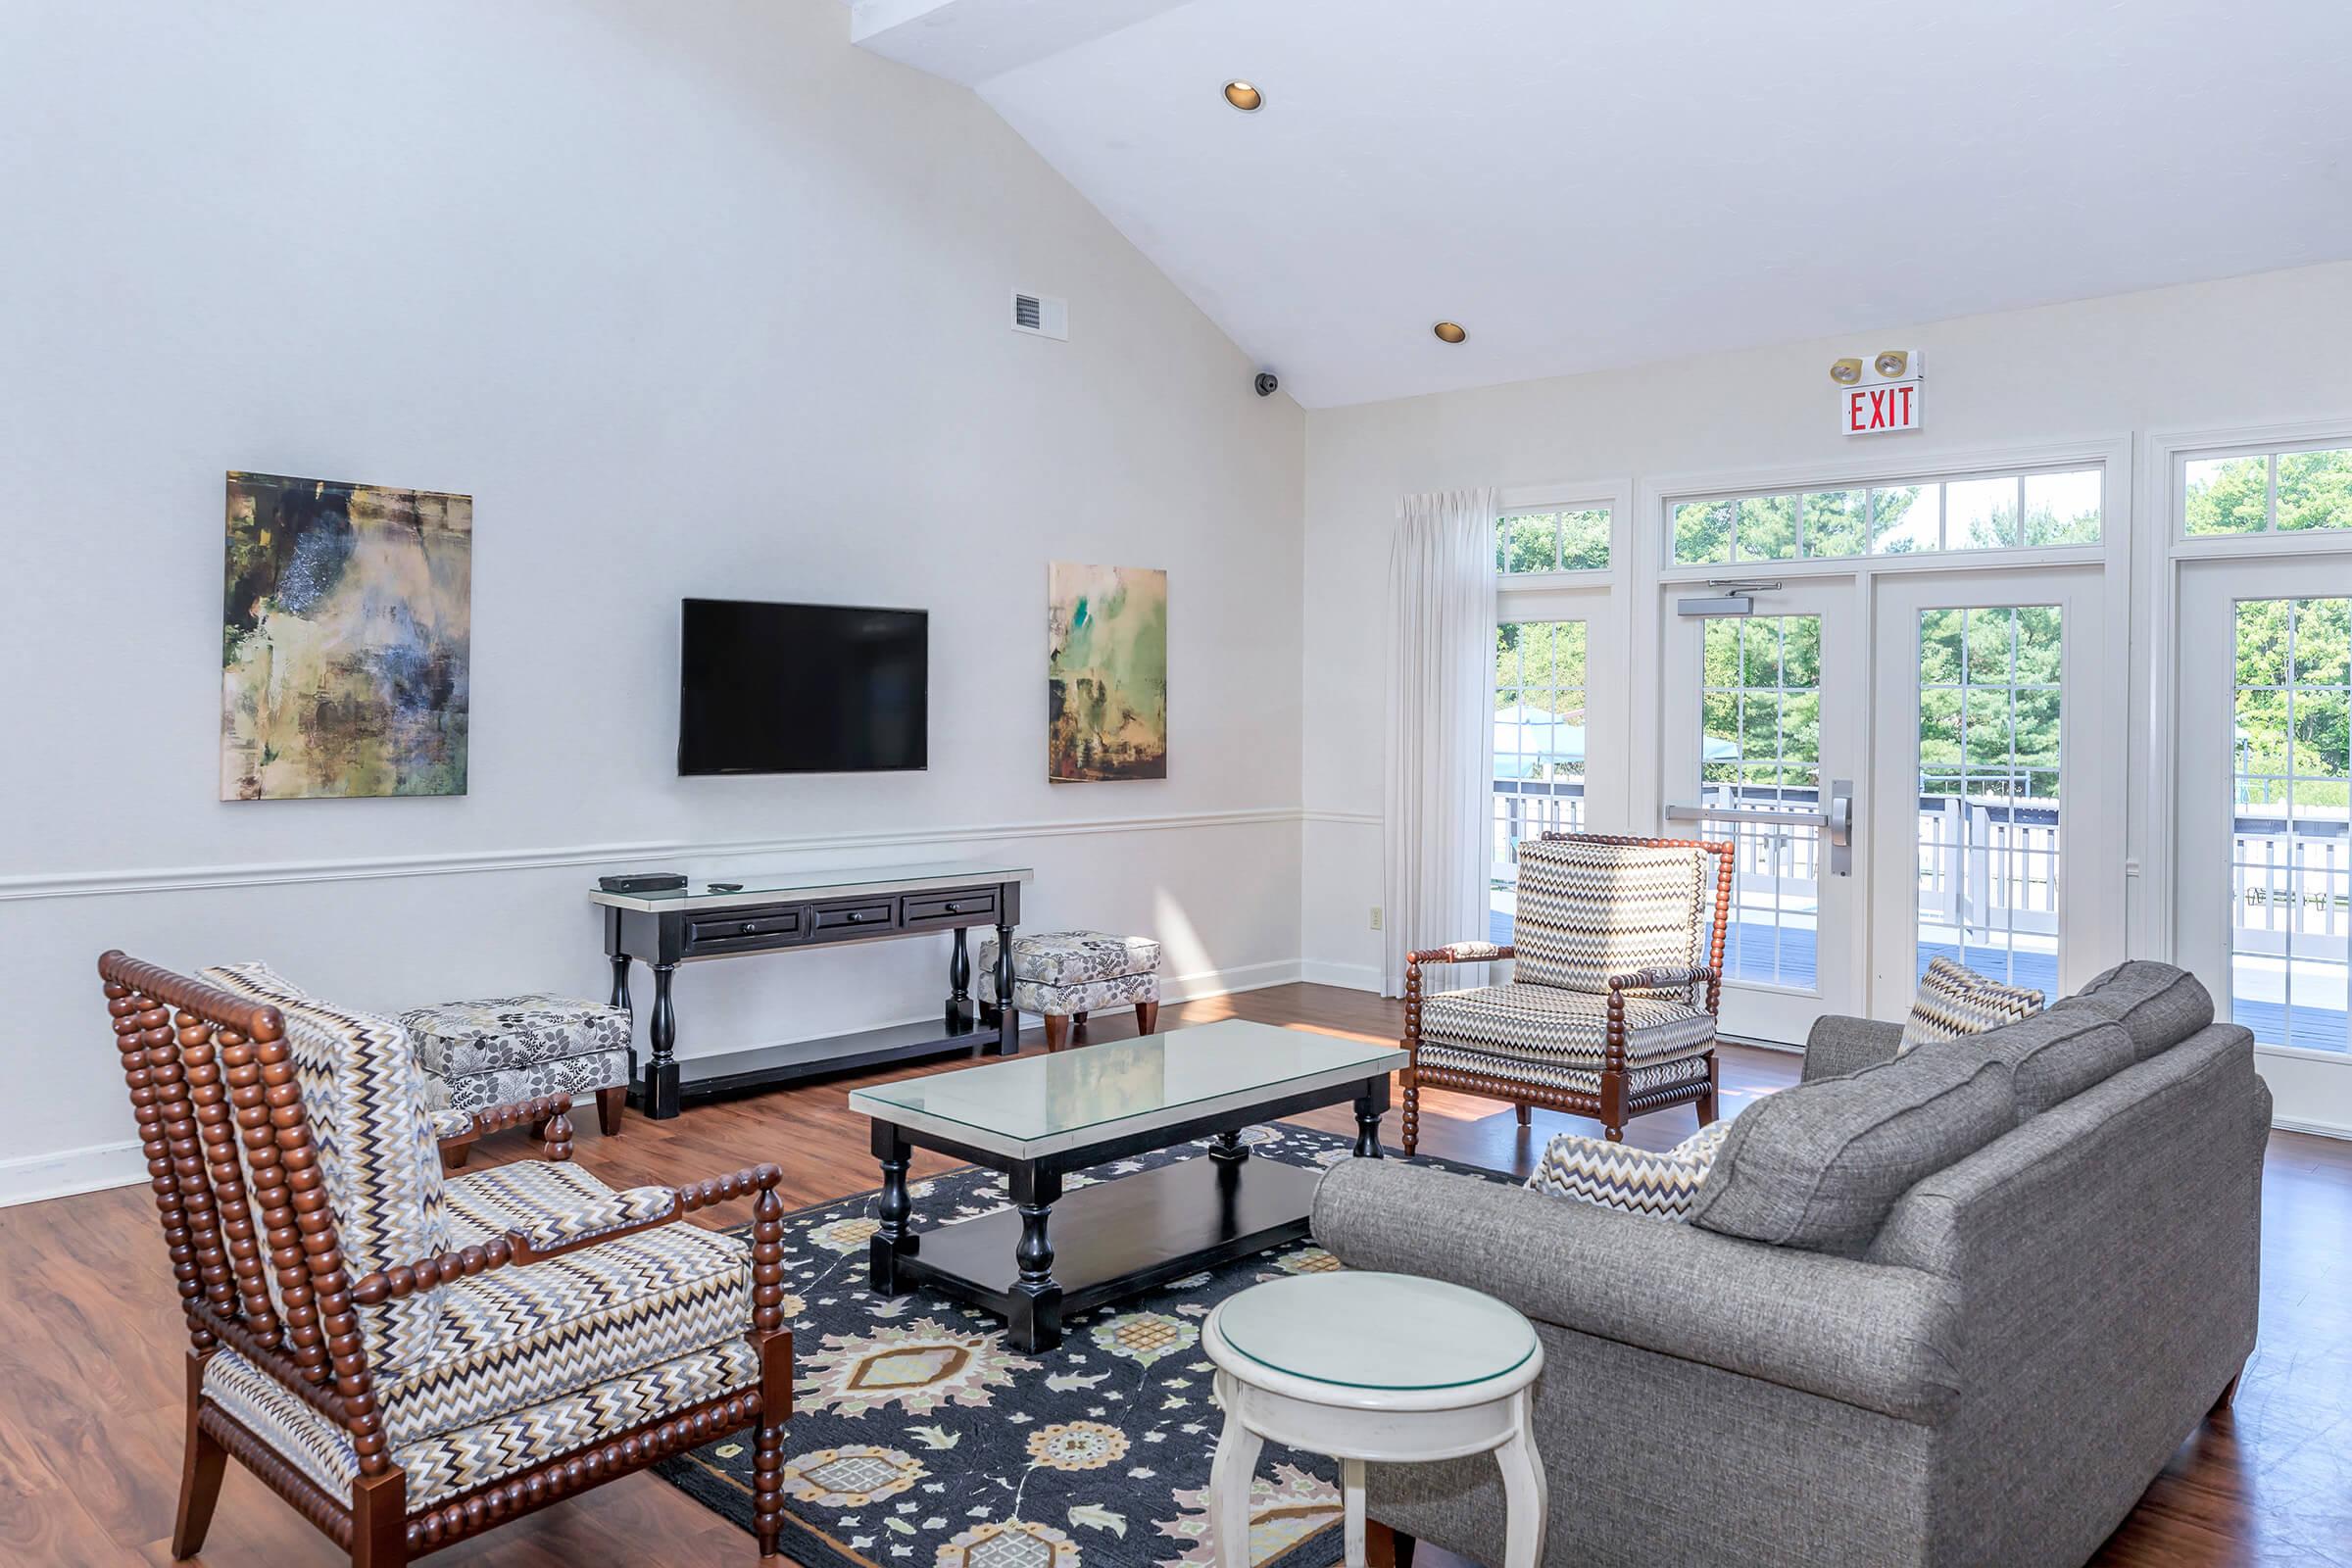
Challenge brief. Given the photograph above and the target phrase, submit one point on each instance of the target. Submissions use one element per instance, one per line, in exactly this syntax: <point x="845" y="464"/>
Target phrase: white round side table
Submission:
<point x="1384" y="1367"/>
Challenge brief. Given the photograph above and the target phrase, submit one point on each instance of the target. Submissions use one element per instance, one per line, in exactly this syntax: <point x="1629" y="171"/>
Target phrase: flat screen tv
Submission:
<point x="802" y="688"/>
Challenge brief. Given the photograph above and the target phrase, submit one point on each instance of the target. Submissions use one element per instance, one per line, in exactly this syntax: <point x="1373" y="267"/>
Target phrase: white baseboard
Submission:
<point x="35" y="1177"/>
<point x="2317" y="1129"/>
<point x="1354" y="976"/>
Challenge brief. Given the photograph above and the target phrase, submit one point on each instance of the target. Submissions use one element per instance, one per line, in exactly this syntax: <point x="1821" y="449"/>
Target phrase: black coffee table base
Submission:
<point x="1109" y="1239"/>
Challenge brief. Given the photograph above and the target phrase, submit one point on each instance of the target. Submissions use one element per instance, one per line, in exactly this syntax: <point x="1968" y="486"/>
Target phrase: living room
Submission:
<point x="1074" y="543"/>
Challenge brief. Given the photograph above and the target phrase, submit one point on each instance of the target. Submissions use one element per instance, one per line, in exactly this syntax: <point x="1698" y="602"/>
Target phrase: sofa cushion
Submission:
<point x="2158" y="1005"/>
<point x="1819" y="1166"/>
<point x="2055" y="1056"/>
<point x="1953" y="1000"/>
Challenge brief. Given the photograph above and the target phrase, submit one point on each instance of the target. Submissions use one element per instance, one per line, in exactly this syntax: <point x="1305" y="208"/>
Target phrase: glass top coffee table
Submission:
<point x="1041" y="1117"/>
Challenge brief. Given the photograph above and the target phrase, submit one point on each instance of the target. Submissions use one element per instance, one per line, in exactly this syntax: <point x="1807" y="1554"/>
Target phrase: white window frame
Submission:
<point x="2312" y="437"/>
<point x="1597" y="597"/>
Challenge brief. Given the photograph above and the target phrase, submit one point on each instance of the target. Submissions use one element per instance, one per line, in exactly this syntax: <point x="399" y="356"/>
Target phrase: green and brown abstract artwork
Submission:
<point x="344" y="640"/>
<point x="1107" y="673"/>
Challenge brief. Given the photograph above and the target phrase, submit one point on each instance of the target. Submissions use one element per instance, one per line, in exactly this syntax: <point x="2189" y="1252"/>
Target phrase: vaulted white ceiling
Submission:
<point x="1585" y="183"/>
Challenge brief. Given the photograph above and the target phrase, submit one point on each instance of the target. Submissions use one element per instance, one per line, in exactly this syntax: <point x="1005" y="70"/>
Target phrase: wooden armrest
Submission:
<point x="553" y="1109"/>
<point x="406" y="1279"/>
<point x="1675" y="975"/>
<point x="1463" y="952"/>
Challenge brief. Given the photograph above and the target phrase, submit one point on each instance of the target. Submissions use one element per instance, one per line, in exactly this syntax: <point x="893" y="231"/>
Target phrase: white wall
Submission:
<point x="692" y="300"/>
<point x="2246" y="351"/>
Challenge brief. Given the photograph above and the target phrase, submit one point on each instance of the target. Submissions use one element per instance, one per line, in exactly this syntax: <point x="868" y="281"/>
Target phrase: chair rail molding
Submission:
<point x="192" y="878"/>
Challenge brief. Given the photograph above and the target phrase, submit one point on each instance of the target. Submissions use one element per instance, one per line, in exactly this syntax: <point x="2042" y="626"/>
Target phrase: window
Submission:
<point x="1992" y="511"/>
<point x="1539" y="749"/>
<point x="1555" y="539"/>
<point x="1988" y="766"/>
<point x="1760" y="746"/>
<point x="2268" y="492"/>
<point x="2291" y="871"/>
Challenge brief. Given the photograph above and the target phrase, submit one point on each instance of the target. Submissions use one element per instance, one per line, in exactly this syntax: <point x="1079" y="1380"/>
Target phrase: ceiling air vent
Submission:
<point x="1041" y="316"/>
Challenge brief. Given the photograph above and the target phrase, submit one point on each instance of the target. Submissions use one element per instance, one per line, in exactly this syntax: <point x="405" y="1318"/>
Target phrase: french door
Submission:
<point x="2263" y="826"/>
<point x="1908" y="763"/>
<point x="1761" y="728"/>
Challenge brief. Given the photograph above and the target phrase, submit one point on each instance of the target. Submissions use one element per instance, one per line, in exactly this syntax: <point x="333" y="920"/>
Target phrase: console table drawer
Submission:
<point x="749" y="928"/>
<point x="976" y="907"/>
<point x="842" y="916"/>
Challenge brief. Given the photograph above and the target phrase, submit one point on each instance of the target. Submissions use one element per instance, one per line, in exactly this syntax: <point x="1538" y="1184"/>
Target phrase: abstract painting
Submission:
<point x="344" y="640"/>
<point x="1107" y="673"/>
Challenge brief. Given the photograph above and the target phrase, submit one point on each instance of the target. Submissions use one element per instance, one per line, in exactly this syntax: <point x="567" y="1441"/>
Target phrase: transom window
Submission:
<point x="2015" y="511"/>
<point x="1553" y="539"/>
<point x="2268" y="492"/>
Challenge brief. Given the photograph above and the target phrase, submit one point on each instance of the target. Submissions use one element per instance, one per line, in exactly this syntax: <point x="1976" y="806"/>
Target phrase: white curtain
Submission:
<point x="1440" y="722"/>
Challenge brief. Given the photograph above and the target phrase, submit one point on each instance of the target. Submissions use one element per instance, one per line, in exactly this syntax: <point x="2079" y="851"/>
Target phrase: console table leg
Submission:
<point x="959" y="985"/>
<point x="893" y="1241"/>
<point x="1009" y="1025"/>
<point x="1035" y="1322"/>
<point x="660" y="1092"/>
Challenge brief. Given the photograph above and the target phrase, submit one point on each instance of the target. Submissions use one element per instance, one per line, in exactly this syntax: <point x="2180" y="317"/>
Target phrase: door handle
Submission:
<point x="1836" y="821"/>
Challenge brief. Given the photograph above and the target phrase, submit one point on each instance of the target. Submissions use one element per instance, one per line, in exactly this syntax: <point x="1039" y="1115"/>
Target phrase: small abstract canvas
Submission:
<point x="1107" y="673"/>
<point x="344" y="640"/>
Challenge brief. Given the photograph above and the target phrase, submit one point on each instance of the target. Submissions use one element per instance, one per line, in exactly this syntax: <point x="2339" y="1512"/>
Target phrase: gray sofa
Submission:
<point x="1993" y="1377"/>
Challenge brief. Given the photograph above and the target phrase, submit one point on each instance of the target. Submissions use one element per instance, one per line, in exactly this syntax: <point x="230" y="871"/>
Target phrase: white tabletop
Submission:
<point x="771" y="886"/>
<point x="1376" y="1331"/>
<point x="1043" y="1104"/>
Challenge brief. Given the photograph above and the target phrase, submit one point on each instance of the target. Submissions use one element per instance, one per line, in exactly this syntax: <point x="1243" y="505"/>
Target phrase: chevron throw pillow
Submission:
<point x="1953" y="1000"/>
<point x="1639" y="1181"/>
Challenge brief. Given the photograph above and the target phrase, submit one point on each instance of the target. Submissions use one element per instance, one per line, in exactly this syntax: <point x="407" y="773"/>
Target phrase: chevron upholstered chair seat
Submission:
<point x="1616" y="954"/>
<point x="1639" y="1181"/>
<point x="1545" y="1024"/>
<point x="421" y="1356"/>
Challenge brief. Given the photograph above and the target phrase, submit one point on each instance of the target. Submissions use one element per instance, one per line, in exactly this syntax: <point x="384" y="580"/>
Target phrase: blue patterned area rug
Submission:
<point x="920" y="1440"/>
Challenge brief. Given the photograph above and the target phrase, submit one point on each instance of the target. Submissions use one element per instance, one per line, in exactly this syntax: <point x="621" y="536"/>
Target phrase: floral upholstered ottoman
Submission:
<point x="501" y="1049"/>
<point x="1063" y="975"/>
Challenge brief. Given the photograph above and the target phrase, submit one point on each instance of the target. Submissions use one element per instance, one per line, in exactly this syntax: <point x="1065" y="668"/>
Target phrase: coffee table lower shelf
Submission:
<point x="1110" y="1240"/>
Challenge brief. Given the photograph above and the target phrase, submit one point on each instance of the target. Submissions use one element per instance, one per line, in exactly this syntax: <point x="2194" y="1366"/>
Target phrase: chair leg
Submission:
<point x="200" y="1470"/>
<point x="1412" y="1109"/>
<point x="1147" y="1017"/>
<point x="1057" y="1032"/>
<point x="1706" y="1099"/>
<point x="1078" y="1024"/>
<point x="379" y="1521"/>
<point x="453" y="1156"/>
<point x="608" y="1104"/>
<point x="767" y="1488"/>
<point x="1527" y="1114"/>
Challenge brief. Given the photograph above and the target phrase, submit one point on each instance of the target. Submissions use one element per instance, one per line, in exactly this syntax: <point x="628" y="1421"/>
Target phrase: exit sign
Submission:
<point x="1881" y="394"/>
<point x="1875" y="410"/>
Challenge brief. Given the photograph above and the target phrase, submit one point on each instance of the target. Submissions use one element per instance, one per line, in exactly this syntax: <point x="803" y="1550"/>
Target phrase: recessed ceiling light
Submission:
<point x="1244" y="97"/>
<point x="1449" y="332"/>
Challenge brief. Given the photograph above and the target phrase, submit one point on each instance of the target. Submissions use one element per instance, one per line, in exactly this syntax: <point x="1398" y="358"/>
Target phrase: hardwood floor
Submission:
<point x="92" y="1347"/>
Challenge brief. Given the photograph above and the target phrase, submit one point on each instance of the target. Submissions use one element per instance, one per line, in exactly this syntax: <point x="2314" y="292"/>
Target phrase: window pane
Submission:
<point x="2290" y="861"/>
<point x="2314" y="490"/>
<point x="1906" y="517"/>
<point x="1760" y="746"/>
<point x="1532" y="542"/>
<point x="1983" y="513"/>
<point x="1538" y="748"/>
<point x="1766" y="530"/>
<point x="1702" y="532"/>
<point x="2228" y="495"/>
<point x="1584" y="540"/>
<point x="2062" y="509"/>
<point x="1987" y="852"/>
<point x="1836" y="523"/>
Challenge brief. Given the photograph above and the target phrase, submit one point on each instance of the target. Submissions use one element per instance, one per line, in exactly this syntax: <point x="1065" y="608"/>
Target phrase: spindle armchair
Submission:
<point x="1616" y="942"/>
<point x="410" y="1361"/>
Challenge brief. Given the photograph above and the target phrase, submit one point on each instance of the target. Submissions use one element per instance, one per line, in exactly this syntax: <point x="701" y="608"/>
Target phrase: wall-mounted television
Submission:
<point x="802" y="688"/>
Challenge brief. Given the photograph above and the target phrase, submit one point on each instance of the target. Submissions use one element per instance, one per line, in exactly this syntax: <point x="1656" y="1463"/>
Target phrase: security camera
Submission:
<point x="1265" y="383"/>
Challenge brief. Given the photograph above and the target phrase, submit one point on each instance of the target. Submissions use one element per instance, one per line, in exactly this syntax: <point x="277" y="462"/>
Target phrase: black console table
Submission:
<point x="783" y="914"/>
